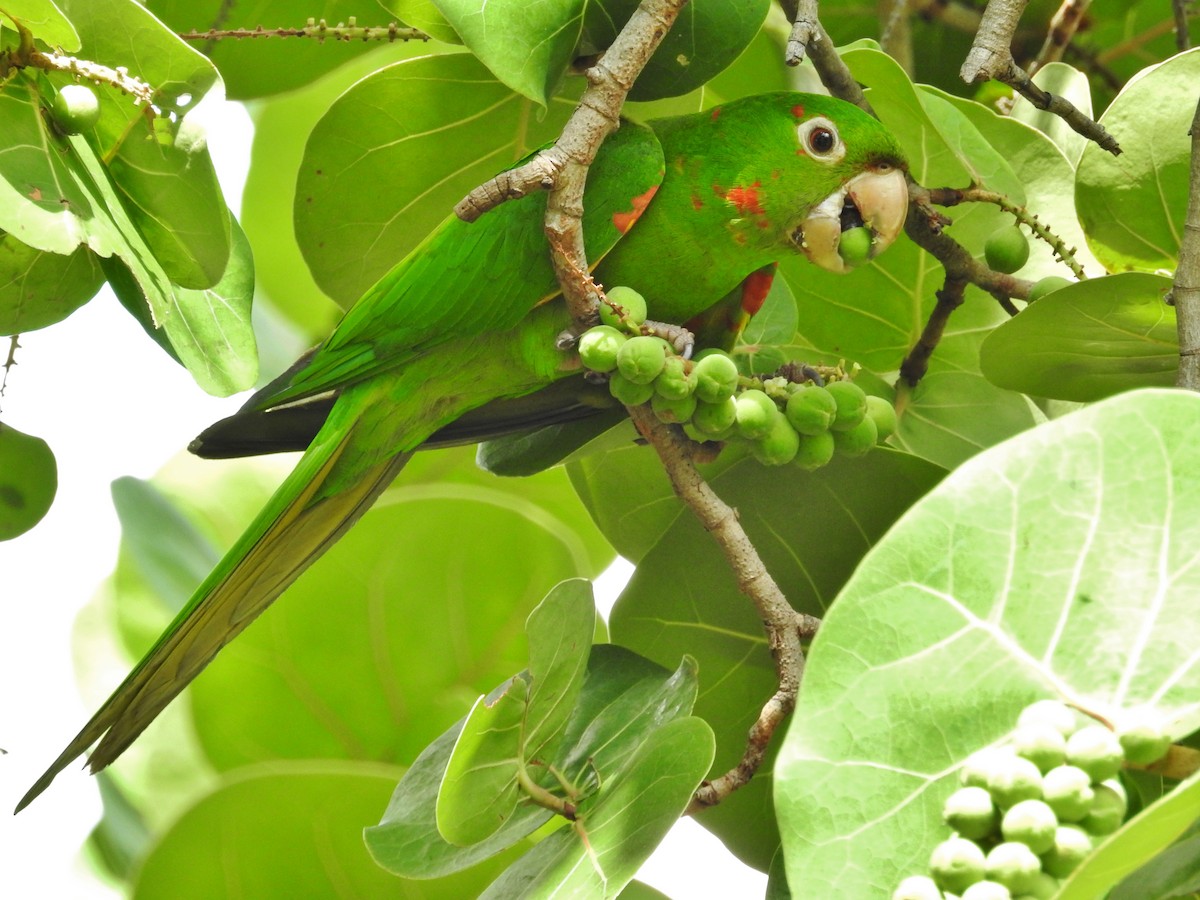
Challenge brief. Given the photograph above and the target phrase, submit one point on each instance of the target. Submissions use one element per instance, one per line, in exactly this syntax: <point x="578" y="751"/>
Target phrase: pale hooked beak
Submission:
<point x="876" y="199"/>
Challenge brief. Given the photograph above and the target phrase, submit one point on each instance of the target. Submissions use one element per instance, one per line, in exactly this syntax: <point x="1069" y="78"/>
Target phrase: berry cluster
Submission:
<point x="781" y="421"/>
<point x="1028" y="812"/>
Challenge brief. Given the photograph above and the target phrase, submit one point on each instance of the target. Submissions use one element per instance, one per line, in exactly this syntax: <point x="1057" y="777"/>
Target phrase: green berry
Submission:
<point x="641" y="358"/>
<point x="716" y="377"/>
<point x="855" y="246"/>
<point x="1045" y="887"/>
<point x="1013" y="865"/>
<point x="1108" y="809"/>
<point x="630" y="301"/>
<point x="977" y="769"/>
<point x="756" y="414"/>
<point x="674" y="382"/>
<point x="857" y="441"/>
<point x="1006" y="250"/>
<point x="1041" y="744"/>
<point x="1031" y="822"/>
<point x="1143" y="739"/>
<point x="1096" y="750"/>
<point x="1071" y="847"/>
<point x="884" y="416"/>
<point x="1047" y="285"/>
<point x="715" y="418"/>
<point x="815" y="450"/>
<point x="28" y="481"/>
<point x="956" y="864"/>
<point x="598" y="348"/>
<point x="811" y="409"/>
<point x="986" y="890"/>
<point x="673" y="412"/>
<point x="1049" y="712"/>
<point x="1068" y="791"/>
<point x="780" y="444"/>
<point x="970" y="812"/>
<point x="917" y="887"/>
<point x="628" y="392"/>
<point x="76" y="109"/>
<point x="851" y="405"/>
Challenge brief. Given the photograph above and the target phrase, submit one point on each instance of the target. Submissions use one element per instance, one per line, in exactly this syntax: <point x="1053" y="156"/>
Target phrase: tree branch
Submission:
<point x="1185" y="293"/>
<point x="1063" y="25"/>
<point x="316" y="29"/>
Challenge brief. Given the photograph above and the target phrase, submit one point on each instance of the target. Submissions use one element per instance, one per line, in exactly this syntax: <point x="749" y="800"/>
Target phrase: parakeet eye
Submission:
<point x="820" y="140"/>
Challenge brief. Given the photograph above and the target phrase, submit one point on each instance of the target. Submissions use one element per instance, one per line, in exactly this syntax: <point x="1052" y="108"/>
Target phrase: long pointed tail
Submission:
<point x="296" y="527"/>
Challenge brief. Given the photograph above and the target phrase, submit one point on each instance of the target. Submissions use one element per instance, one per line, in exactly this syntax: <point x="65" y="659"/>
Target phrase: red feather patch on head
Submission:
<point x="798" y="111"/>
<point x="623" y="221"/>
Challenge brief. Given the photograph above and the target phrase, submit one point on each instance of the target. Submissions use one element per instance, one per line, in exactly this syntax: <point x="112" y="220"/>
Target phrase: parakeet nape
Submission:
<point x="690" y="211"/>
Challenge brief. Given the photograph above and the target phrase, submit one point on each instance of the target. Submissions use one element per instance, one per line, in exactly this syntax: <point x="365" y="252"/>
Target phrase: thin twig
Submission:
<point x="1185" y="292"/>
<point x="13" y="346"/>
<point x="1180" y="10"/>
<point x="785" y="630"/>
<point x="316" y="29"/>
<point x="809" y="35"/>
<point x="1063" y="25"/>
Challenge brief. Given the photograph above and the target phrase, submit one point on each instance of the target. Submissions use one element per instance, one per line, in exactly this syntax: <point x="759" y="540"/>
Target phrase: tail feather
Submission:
<point x="285" y="539"/>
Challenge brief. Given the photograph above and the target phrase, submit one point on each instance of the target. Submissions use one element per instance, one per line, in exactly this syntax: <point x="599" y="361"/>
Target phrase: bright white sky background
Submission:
<point x="109" y="403"/>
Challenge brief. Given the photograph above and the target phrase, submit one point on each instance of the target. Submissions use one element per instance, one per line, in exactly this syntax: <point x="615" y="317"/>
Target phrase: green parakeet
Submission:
<point x="689" y="211"/>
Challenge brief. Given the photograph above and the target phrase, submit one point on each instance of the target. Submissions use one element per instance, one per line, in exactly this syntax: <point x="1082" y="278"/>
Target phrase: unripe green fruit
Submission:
<point x="1031" y="822"/>
<point x="628" y="392"/>
<point x="1049" y="712"/>
<point x="1006" y="249"/>
<point x="1107" y="811"/>
<point x="598" y="348"/>
<point x="1047" y="285"/>
<point x="851" y="405"/>
<point x="28" y="481"/>
<point x="917" y="887"/>
<point x="884" y="416"/>
<point x="756" y="414"/>
<point x="855" y="246"/>
<point x="715" y="418"/>
<point x="970" y="812"/>
<point x="1068" y="791"/>
<point x="1041" y="744"/>
<point x="633" y="303"/>
<point x="674" y="382"/>
<point x="701" y="438"/>
<point x="673" y="412"/>
<point x="815" y="450"/>
<point x="956" y="864"/>
<point x="716" y="377"/>
<point x="811" y="409"/>
<point x="76" y="109"/>
<point x="1096" y="750"/>
<point x="1045" y="887"/>
<point x="986" y="890"/>
<point x="1143" y="740"/>
<point x="857" y="441"/>
<point x="641" y="358"/>
<point x="780" y="445"/>
<point x="977" y="769"/>
<point x="1013" y="865"/>
<point x="1071" y="847"/>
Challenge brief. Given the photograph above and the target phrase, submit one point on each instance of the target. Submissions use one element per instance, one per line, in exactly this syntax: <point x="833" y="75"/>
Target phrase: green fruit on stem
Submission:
<point x="811" y="409"/>
<point x="641" y="358"/>
<point x="628" y="392"/>
<point x="598" y="348"/>
<point x="28" y="481"/>
<point x="1031" y="822"/>
<point x="1143" y="739"/>
<point x="673" y="412"/>
<point x="1006" y="249"/>
<point x="815" y="450"/>
<point x="1045" y="887"/>
<point x="956" y="864"/>
<point x="780" y="444"/>
<point x="1107" y="812"/>
<point x="978" y="768"/>
<point x="1097" y="751"/>
<point x="1013" y="865"/>
<point x="971" y="812"/>
<point x="1047" y="285"/>
<point x="917" y="887"/>
<point x="756" y="414"/>
<point x="857" y="441"/>
<point x="1071" y="847"/>
<point x="855" y="246"/>
<point x="1068" y="791"/>
<point x="851" y="405"/>
<point x="986" y="890"/>
<point x="674" y="382"/>
<point x="716" y="377"/>
<point x="631" y="303"/>
<point x="1041" y="744"/>
<point x="715" y="418"/>
<point x="884" y="416"/>
<point x="76" y="109"/>
<point x="1049" y="712"/>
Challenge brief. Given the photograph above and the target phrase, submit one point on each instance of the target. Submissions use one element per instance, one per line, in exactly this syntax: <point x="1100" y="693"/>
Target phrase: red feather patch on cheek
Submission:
<point x="745" y="199"/>
<point x="623" y="221"/>
<point x="716" y="112"/>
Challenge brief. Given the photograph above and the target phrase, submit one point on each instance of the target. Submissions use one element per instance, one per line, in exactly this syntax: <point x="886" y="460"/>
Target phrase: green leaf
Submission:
<point x="1088" y="340"/>
<point x="624" y="698"/>
<point x="39" y="288"/>
<point x="526" y="45"/>
<point x="460" y="126"/>
<point x="1173" y="873"/>
<point x="424" y="14"/>
<point x="44" y="20"/>
<point x="560" y="633"/>
<point x="1055" y="564"/>
<point x="620" y="828"/>
<point x="122" y="837"/>
<point x="1133" y="206"/>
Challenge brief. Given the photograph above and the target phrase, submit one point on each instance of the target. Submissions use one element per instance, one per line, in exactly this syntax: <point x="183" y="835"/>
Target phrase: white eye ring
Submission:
<point x="819" y="139"/>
